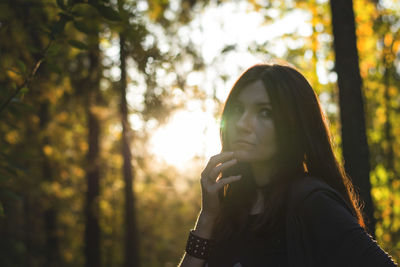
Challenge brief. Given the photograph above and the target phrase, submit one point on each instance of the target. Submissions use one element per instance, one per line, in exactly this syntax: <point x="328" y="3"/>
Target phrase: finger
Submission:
<point x="217" y="159"/>
<point x="222" y="182"/>
<point x="217" y="170"/>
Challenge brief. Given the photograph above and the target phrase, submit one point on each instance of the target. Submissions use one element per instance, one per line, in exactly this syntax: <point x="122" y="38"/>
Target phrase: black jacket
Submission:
<point x="322" y="231"/>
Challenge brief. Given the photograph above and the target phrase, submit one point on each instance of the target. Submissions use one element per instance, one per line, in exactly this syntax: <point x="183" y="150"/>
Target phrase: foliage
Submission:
<point x="43" y="128"/>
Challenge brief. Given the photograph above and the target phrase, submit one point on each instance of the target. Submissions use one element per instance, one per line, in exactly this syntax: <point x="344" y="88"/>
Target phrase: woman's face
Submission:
<point x="251" y="130"/>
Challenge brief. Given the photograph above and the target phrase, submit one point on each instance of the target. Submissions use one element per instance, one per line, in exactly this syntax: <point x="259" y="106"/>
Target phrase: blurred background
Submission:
<point x="110" y="110"/>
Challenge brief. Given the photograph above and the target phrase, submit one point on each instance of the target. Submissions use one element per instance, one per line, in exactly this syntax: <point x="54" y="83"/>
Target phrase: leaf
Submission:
<point x="33" y="49"/>
<point x="61" y="4"/>
<point x="24" y="90"/>
<point x="108" y="13"/>
<point x="83" y="27"/>
<point x="58" y="28"/>
<point x="22" y="93"/>
<point x="228" y="48"/>
<point x="54" y="68"/>
<point x="78" y="44"/>
<point x="79" y="10"/>
<point x="53" y="50"/>
<point x="73" y="2"/>
<point x="21" y="66"/>
<point x="66" y="17"/>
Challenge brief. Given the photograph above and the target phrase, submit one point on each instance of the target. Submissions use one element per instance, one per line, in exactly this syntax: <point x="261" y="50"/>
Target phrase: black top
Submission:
<point x="251" y="249"/>
<point x="320" y="230"/>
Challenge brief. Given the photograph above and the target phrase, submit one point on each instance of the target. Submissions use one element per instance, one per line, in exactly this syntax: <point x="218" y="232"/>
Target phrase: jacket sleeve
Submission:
<point x="335" y="237"/>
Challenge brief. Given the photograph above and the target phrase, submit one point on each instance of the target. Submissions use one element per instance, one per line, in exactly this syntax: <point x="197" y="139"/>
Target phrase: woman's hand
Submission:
<point x="211" y="184"/>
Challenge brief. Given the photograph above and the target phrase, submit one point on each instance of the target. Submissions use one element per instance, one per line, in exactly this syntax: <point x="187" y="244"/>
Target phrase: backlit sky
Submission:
<point x="193" y="132"/>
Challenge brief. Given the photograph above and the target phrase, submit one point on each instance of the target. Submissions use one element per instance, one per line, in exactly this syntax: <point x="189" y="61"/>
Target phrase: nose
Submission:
<point x="243" y="123"/>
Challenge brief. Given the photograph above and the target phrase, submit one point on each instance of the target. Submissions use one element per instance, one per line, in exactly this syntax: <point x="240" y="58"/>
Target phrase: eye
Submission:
<point x="265" y="113"/>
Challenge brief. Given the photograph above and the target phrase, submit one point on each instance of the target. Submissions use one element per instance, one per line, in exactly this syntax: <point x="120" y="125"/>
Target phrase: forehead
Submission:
<point x="253" y="93"/>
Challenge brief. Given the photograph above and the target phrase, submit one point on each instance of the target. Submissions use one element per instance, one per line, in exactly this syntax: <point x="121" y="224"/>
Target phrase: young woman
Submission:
<point x="276" y="195"/>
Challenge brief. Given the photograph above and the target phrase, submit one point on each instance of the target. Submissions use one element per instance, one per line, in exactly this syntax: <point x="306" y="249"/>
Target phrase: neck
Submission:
<point x="263" y="173"/>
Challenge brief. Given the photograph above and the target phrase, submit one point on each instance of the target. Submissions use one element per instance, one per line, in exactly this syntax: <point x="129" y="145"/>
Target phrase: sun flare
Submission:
<point x="188" y="135"/>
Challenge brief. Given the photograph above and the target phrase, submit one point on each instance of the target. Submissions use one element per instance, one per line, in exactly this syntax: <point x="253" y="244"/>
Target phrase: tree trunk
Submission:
<point x="50" y="212"/>
<point x="131" y="237"/>
<point x="354" y="140"/>
<point x="92" y="230"/>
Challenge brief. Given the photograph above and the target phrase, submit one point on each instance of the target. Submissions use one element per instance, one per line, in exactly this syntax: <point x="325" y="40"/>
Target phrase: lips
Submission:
<point x="241" y="142"/>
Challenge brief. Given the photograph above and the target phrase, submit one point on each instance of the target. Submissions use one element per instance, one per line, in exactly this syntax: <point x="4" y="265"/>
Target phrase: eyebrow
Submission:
<point x="256" y="103"/>
<point x="263" y="104"/>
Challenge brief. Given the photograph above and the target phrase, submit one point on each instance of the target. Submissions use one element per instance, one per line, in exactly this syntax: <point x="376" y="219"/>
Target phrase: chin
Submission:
<point x="244" y="156"/>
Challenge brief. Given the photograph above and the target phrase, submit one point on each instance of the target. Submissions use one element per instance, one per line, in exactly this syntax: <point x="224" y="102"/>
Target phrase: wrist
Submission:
<point x="205" y="224"/>
<point x="208" y="217"/>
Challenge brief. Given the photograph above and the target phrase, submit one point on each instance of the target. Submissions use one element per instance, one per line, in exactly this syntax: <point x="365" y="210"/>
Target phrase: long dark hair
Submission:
<point x="304" y="147"/>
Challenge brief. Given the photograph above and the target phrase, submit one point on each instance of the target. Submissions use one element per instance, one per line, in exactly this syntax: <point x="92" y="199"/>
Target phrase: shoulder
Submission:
<point x="311" y="194"/>
<point x="306" y="185"/>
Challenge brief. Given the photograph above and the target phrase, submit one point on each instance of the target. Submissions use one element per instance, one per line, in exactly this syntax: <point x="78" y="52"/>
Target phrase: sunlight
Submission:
<point x="193" y="133"/>
<point x="188" y="135"/>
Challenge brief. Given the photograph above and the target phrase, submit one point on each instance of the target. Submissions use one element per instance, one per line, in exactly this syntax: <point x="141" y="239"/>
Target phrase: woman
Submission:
<point x="276" y="195"/>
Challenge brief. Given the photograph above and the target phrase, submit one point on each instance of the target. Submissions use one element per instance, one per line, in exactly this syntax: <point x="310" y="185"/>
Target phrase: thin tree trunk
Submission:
<point x="131" y="238"/>
<point x="28" y="230"/>
<point x="92" y="230"/>
<point x="50" y="212"/>
<point x="354" y="140"/>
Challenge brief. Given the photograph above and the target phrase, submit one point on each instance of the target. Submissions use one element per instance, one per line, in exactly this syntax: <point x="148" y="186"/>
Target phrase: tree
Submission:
<point x="92" y="86"/>
<point x="131" y="233"/>
<point x="354" y="140"/>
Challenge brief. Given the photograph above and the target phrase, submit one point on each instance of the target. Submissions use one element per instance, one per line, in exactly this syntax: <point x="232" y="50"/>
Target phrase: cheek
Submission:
<point x="267" y="138"/>
<point x="229" y="135"/>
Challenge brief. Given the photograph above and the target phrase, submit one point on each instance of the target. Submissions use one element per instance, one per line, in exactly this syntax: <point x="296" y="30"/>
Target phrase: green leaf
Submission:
<point x="66" y="16"/>
<point x="79" y="10"/>
<point x="73" y="2"/>
<point x="83" y="27"/>
<point x="58" y="28"/>
<point x="78" y="44"/>
<point x="21" y="66"/>
<point x="33" y="49"/>
<point x="22" y="93"/>
<point x="61" y="4"/>
<point x="24" y="90"/>
<point x="54" y="67"/>
<point x="108" y="13"/>
<point x="53" y="50"/>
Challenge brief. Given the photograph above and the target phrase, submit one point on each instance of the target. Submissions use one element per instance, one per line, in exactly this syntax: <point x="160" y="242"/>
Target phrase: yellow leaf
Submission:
<point x="47" y="150"/>
<point x="12" y="137"/>
<point x="388" y="39"/>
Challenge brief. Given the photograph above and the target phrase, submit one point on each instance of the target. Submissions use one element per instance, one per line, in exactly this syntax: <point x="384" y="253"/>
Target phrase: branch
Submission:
<point x="28" y="78"/>
<point x="57" y="28"/>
